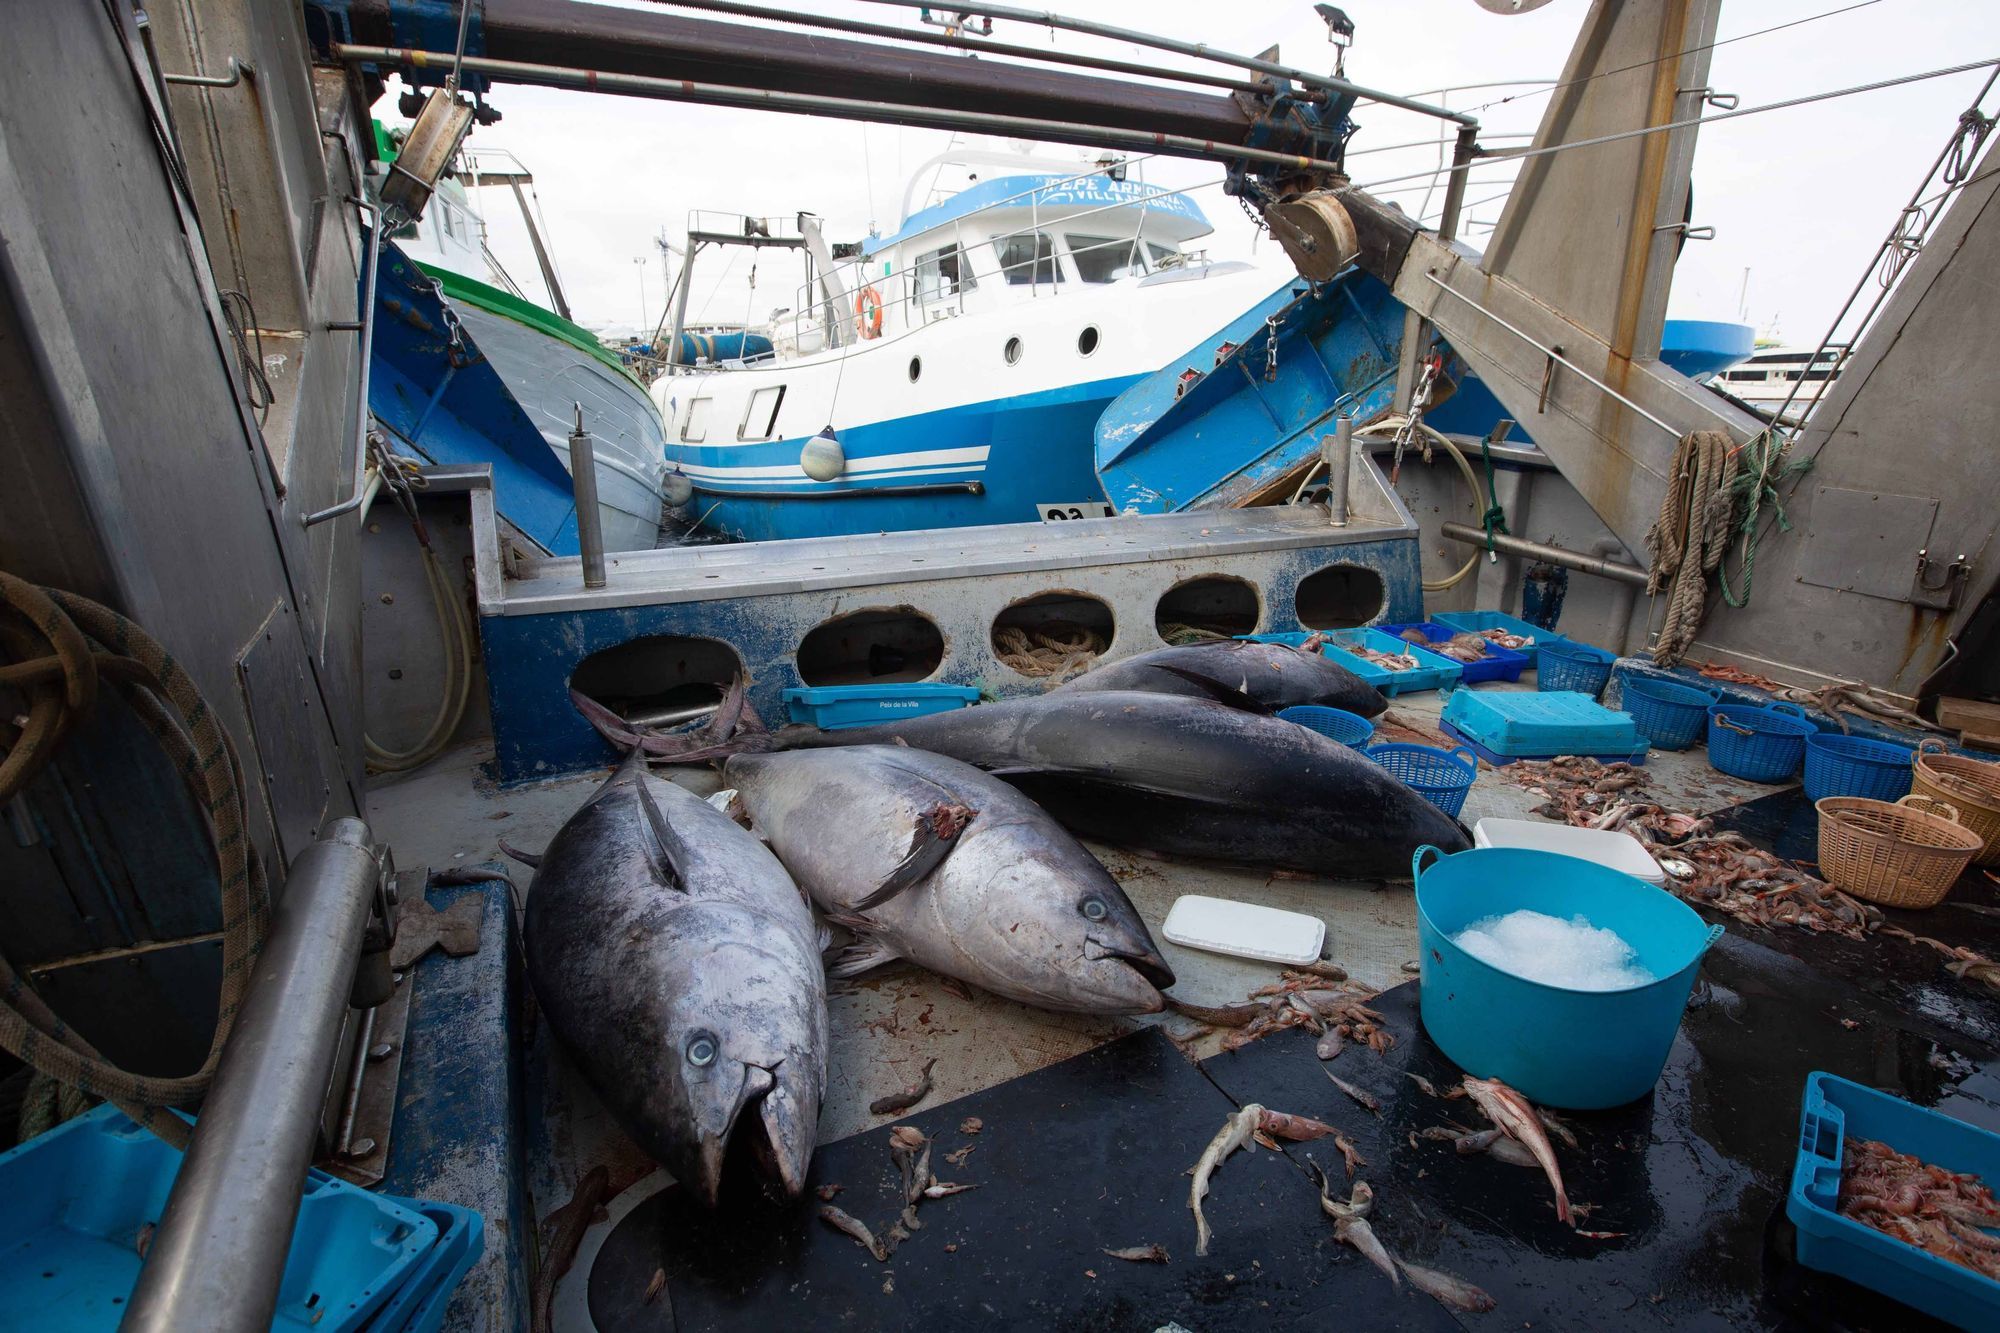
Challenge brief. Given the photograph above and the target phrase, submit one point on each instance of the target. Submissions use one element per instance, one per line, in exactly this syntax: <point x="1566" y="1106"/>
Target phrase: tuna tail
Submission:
<point x="735" y="729"/>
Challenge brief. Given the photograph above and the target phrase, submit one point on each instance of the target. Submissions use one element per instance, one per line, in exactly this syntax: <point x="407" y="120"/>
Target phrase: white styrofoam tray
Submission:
<point x="1247" y="930"/>
<point x="1607" y="847"/>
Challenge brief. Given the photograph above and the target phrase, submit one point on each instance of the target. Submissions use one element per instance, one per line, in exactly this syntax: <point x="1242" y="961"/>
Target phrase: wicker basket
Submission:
<point x="1900" y="855"/>
<point x="1973" y="785"/>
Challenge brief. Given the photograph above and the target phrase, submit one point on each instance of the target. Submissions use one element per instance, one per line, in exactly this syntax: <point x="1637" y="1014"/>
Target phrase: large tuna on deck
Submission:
<point x="929" y="859"/>
<point x="678" y="964"/>
<point x="1269" y="674"/>
<point x="1185" y="777"/>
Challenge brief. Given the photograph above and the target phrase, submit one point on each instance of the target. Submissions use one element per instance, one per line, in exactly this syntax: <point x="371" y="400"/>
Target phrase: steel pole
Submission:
<point x="353" y="502"/>
<point x="583" y="485"/>
<point x="219" y="1254"/>
<point x="1553" y="555"/>
<point x="1340" y="467"/>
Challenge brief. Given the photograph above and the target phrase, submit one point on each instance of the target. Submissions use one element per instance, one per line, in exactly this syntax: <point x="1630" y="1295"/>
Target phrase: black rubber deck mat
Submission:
<point x="1073" y="1159"/>
<point x="1692" y="1178"/>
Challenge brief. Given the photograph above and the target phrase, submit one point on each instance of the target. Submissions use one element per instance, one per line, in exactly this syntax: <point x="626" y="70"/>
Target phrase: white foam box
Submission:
<point x="1245" y="930"/>
<point x="1611" y="848"/>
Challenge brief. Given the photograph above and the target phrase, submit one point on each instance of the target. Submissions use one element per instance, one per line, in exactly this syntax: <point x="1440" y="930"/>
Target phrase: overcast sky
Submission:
<point x="1798" y="198"/>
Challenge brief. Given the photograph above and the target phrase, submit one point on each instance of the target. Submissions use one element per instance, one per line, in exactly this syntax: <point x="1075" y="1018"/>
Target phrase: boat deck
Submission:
<point x="1913" y="1021"/>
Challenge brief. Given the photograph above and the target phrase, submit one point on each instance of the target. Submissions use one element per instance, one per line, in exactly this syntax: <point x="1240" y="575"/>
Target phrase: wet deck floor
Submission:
<point x="1726" y="1110"/>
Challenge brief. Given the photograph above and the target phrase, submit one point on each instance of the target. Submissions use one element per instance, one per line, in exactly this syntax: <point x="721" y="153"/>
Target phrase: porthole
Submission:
<point x="1339" y="597"/>
<point x="1013" y="351"/>
<point x="876" y="645"/>
<point x="661" y="680"/>
<point x="916" y="368"/>
<point x="1054" y="634"/>
<point x="1086" y="342"/>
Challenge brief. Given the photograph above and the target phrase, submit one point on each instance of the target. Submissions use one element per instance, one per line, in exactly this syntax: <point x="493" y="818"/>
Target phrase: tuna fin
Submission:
<point x="665" y="855"/>
<point x="529" y="859"/>
<point x="861" y="956"/>
<point x="937" y="833"/>
<point x="1220" y="691"/>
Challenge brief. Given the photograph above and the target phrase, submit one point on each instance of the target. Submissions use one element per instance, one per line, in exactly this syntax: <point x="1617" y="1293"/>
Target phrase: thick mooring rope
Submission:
<point x="1057" y="650"/>
<point x="1690" y="535"/>
<point x="57" y="668"/>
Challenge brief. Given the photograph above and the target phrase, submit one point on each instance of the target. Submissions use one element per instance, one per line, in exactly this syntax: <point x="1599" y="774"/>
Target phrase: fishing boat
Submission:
<point x="549" y="365"/>
<point x="1784" y="382"/>
<point x="285" y="707"/>
<point x="959" y="363"/>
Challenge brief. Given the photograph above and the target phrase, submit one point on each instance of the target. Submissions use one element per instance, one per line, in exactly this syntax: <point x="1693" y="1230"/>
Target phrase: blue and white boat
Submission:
<point x="962" y="361"/>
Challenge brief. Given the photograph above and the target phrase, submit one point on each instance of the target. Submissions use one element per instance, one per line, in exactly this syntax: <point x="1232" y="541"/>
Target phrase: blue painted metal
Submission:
<point x="1164" y="446"/>
<point x="460" y="1134"/>
<point x="529" y="659"/>
<point x="448" y="404"/>
<point x="736" y="346"/>
<point x="1037" y="449"/>
<point x="1038" y="192"/>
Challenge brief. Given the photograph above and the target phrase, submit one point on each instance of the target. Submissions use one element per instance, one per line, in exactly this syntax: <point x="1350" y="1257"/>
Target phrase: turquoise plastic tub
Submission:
<point x="1833" y="1110"/>
<point x="1515" y="724"/>
<point x="1431" y="672"/>
<point x="72" y="1202"/>
<point x="1336" y="724"/>
<point x="833" y="707"/>
<point x="1583" y="1050"/>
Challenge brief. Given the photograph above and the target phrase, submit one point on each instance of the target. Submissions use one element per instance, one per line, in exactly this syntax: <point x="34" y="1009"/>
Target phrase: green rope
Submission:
<point x="1495" y="517"/>
<point x="1763" y="469"/>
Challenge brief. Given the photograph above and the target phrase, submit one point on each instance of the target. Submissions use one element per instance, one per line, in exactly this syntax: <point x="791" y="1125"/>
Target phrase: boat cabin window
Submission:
<point x="760" y="418"/>
<point x="943" y="274"/>
<point x="1165" y="256"/>
<point x="1106" y="258"/>
<point x="694" y="426"/>
<point x="1027" y="258"/>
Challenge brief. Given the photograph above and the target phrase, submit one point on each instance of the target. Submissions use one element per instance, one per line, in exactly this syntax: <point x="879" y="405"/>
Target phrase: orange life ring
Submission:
<point x="868" y="312"/>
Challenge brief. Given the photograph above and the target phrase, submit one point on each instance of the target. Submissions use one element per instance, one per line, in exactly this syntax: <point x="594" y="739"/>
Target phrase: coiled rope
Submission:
<point x="63" y="646"/>
<point x="1690" y="535"/>
<point x="1764" y="467"/>
<point x="1058" y="649"/>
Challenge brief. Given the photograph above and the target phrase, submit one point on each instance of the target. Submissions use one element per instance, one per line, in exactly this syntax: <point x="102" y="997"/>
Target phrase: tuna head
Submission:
<point x="739" y="1066"/>
<point x="1053" y="929"/>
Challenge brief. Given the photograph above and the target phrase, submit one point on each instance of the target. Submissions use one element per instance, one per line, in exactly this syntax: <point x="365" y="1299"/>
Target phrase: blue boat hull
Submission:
<point x="1017" y="453"/>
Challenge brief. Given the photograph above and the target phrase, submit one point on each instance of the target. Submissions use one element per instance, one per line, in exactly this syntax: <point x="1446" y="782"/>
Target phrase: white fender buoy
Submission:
<point x="823" y="458"/>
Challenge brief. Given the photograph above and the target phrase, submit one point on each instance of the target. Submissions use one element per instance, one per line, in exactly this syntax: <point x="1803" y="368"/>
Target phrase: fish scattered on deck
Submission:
<point x="1236" y="1132"/>
<point x="1512" y="1113"/>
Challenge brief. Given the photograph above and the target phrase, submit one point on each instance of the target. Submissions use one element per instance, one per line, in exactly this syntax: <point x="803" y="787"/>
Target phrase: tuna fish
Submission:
<point x="929" y="859"/>
<point x="1270" y="674"/>
<point x="678" y="964"/>
<point x="1184" y="777"/>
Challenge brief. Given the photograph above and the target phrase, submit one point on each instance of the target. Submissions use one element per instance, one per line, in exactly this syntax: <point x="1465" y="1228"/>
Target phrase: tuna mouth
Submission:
<point x="1146" y="961"/>
<point x="766" y="1138"/>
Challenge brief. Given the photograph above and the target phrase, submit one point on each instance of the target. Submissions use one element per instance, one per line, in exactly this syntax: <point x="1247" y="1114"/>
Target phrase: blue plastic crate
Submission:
<point x="1498" y="664"/>
<point x="419" y="1304"/>
<point x="1431" y="672"/>
<point x="1839" y="765"/>
<point x="1483" y="620"/>
<point x="1836" y="1110"/>
<point x="1503" y="726"/>
<point x="1573" y="668"/>
<point x="1758" y="744"/>
<point x="1670" y="715"/>
<point x="1333" y="723"/>
<point x="834" y="707"/>
<point x="72" y="1202"/>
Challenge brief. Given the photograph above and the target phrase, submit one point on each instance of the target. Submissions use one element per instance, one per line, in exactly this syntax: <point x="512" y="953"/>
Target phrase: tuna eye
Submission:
<point x="1094" y="909"/>
<point x="701" y="1050"/>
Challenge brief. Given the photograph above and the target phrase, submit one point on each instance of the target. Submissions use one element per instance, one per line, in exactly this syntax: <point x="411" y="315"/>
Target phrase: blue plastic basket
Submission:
<point x="1835" y="1109"/>
<point x="1672" y="716"/>
<point x="1758" y="743"/>
<point x="1583" y="1050"/>
<point x="1442" y="777"/>
<point x="1333" y="723"/>
<point x="1573" y="666"/>
<point x="1498" y="664"/>
<point x="1839" y="765"/>
<point x="834" y="707"/>
<point x="73" y="1200"/>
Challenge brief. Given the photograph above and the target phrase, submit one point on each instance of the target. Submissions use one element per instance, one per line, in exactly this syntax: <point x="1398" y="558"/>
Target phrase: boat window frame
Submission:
<point x="931" y="262"/>
<point x="688" y="419"/>
<point x="1135" y="256"/>
<point x="743" y="431"/>
<point x="1033" y="265"/>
